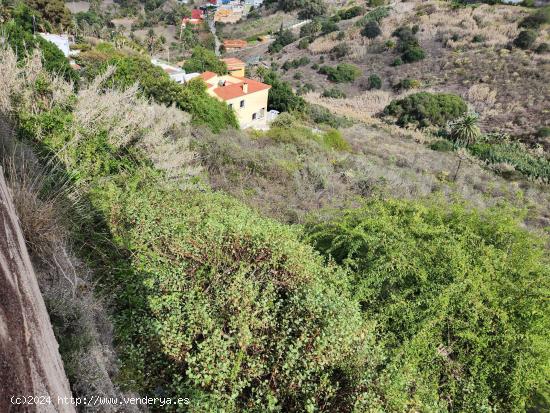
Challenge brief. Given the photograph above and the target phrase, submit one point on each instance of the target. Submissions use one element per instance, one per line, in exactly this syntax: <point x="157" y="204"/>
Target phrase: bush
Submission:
<point x="203" y="60"/>
<point x="407" y="83"/>
<point x="537" y="19"/>
<point x="334" y="93"/>
<point x="328" y="26"/>
<point x="397" y="62"/>
<point x="427" y="108"/>
<point x="333" y="139"/>
<point x="456" y="294"/>
<point x="303" y="43"/>
<point x="442" y="145"/>
<point x="350" y="13"/>
<point x="371" y="30"/>
<point x="310" y="29"/>
<point x="344" y="72"/>
<point x="374" y="82"/>
<point x="340" y="50"/>
<point x="281" y="97"/>
<point x="464" y="130"/>
<point x="413" y="54"/>
<point x="320" y="115"/>
<point x="376" y="15"/>
<point x="526" y="39"/>
<point x="543" y="48"/>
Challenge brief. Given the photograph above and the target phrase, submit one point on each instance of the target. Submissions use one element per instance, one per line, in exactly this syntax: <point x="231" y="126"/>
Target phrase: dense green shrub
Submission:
<point x="442" y="145"/>
<point x="320" y="115"/>
<point x="460" y="300"/>
<point x="344" y="72"/>
<point x="203" y="60"/>
<point x="413" y="54"/>
<point x="328" y="26"/>
<point x="334" y="93"/>
<point x="426" y="108"/>
<point x="374" y="82"/>
<point x="312" y="8"/>
<point x="397" y="62"/>
<point x="376" y="15"/>
<point x="406" y="84"/>
<point x="334" y="139"/>
<point x="371" y="30"/>
<point x="408" y="45"/>
<point x="235" y="311"/>
<point x="295" y="63"/>
<point x="281" y="97"/>
<point x="282" y="38"/>
<point x="543" y="48"/>
<point x="350" y="13"/>
<point x="23" y="42"/>
<point x="526" y="39"/>
<point x="303" y="43"/>
<point x="311" y="29"/>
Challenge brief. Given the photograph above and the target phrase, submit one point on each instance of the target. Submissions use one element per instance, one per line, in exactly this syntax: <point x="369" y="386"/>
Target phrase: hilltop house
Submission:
<point x="197" y="17"/>
<point x="247" y="97"/>
<point x="177" y="74"/>
<point x="235" y="66"/>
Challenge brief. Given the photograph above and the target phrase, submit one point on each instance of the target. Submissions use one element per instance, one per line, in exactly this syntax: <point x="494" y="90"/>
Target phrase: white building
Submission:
<point x="177" y="74"/>
<point x="60" y="40"/>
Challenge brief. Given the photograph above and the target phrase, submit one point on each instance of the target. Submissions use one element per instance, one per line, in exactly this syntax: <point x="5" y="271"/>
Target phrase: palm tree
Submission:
<point x="464" y="131"/>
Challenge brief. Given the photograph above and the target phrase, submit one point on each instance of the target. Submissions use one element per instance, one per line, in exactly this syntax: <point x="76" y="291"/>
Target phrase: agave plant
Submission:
<point x="464" y="131"/>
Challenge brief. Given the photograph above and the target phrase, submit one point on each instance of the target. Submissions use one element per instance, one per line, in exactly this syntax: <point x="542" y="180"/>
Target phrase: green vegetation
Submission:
<point x="408" y="45"/>
<point x="334" y="93"/>
<point x="537" y="19"/>
<point x="281" y="96"/>
<point x="442" y="145"/>
<point x="157" y="85"/>
<point x="464" y="130"/>
<point x="371" y="30"/>
<point x="18" y="36"/>
<point x="427" y="109"/>
<point x="374" y="82"/>
<point x="455" y="294"/>
<point x="376" y="15"/>
<point x="343" y="72"/>
<point x="495" y="150"/>
<point x="350" y="13"/>
<point x="296" y="63"/>
<point x="282" y="38"/>
<point x="526" y="39"/>
<point x="203" y="60"/>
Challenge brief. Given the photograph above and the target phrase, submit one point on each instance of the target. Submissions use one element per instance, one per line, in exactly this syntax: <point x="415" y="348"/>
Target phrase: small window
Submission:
<point x="242" y="103"/>
<point x="231" y="106"/>
<point x="253" y="116"/>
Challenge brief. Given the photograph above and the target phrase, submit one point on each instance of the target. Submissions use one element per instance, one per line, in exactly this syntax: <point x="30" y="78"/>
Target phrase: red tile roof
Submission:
<point x="208" y="75"/>
<point x="196" y="14"/>
<point x="234" y="43"/>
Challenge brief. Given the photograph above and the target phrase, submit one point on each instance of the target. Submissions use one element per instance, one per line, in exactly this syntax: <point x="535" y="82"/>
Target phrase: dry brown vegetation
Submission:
<point x="508" y="87"/>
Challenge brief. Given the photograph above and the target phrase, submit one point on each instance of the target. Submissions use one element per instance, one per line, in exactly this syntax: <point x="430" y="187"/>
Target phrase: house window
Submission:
<point x="253" y="116"/>
<point x="242" y="103"/>
<point x="231" y="106"/>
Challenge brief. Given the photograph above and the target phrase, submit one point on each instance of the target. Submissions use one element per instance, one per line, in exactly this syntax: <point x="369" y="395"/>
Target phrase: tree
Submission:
<point x="459" y="298"/>
<point x="371" y="30"/>
<point x="53" y="11"/>
<point x="312" y="8"/>
<point x="203" y="60"/>
<point x="281" y="96"/>
<point x="464" y="131"/>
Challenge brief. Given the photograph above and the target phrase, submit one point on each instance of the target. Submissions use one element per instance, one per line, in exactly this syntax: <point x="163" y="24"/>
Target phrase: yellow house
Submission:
<point x="235" y="66"/>
<point x="247" y="97"/>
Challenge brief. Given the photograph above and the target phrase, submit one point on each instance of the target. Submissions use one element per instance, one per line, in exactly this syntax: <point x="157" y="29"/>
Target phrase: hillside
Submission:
<point x="307" y="237"/>
<point x="467" y="52"/>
